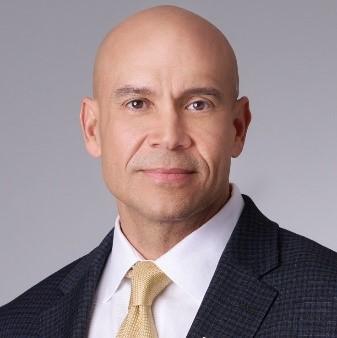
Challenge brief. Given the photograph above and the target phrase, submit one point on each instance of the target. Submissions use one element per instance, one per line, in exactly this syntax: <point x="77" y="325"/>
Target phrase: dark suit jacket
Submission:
<point x="269" y="282"/>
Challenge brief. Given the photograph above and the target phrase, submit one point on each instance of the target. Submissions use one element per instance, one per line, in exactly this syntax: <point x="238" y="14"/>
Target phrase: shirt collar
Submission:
<point x="190" y="264"/>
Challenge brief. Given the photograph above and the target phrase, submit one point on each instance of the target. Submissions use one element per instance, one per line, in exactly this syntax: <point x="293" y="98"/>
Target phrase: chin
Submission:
<point x="169" y="212"/>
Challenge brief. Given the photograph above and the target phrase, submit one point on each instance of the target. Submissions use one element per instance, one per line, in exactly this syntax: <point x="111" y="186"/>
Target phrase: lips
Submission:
<point x="169" y="175"/>
<point x="169" y="171"/>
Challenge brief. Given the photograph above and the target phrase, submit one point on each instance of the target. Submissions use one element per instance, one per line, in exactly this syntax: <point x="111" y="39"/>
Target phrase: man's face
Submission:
<point x="167" y="127"/>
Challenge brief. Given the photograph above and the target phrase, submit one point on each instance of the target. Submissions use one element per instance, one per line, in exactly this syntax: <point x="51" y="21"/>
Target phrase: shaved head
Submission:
<point x="171" y="28"/>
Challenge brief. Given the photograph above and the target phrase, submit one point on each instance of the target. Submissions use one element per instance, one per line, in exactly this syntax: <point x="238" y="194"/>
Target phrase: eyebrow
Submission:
<point x="129" y="90"/>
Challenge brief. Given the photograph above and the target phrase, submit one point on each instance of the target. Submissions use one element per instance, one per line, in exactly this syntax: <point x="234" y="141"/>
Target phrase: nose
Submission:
<point x="170" y="132"/>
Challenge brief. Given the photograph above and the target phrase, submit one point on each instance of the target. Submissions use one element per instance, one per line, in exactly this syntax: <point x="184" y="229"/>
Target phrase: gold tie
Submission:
<point x="147" y="282"/>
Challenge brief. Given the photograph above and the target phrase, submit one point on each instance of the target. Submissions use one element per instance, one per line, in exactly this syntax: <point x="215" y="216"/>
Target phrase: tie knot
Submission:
<point x="147" y="282"/>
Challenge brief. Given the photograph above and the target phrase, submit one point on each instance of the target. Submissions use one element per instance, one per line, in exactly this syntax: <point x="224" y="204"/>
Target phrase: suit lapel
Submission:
<point x="70" y="316"/>
<point x="237" y="299"/>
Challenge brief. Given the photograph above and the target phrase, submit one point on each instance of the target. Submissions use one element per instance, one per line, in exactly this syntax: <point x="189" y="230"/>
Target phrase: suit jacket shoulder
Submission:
<point x="306" y="283"/>
<point x="21" y="314"/>
<point x="296" y="249"/>
<point x="54" y="301"/>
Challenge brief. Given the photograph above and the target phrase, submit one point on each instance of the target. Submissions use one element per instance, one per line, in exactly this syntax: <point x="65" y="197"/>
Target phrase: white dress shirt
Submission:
<point x="190" y="264"/>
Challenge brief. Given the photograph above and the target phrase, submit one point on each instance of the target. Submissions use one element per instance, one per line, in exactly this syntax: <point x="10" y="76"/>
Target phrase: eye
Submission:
<point x="199" y="105"/>
<point x="136" y="104"/>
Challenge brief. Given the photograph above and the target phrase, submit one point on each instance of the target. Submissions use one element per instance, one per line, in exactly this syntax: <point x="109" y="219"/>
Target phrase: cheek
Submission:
<point x="214" y="142"/>
<point x="120" y="141"/>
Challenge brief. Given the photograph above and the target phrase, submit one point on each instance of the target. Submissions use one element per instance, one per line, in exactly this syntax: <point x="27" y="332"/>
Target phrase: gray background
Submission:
<point x="54" y="206"/>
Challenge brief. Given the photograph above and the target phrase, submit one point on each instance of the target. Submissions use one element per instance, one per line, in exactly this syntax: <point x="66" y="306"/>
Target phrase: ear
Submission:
<point x="89" y="124"/>
<point x="241" y="120"/>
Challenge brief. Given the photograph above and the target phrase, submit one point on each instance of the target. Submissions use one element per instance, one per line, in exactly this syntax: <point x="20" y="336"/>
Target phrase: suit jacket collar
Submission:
<point x="253" y="246"/>
<point x="236" y="300"/>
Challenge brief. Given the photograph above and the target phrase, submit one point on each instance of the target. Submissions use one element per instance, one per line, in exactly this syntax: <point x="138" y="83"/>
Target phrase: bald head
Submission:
<point x="164" y="30"/>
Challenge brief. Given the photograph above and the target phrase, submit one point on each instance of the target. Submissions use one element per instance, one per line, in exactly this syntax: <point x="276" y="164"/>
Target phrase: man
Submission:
<point x="189" y="255"/>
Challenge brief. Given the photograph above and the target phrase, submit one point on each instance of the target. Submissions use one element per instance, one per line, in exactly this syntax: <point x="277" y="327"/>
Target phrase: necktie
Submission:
<point x="147" y="282"/>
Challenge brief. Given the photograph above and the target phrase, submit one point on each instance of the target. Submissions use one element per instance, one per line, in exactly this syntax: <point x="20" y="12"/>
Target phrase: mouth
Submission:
<point x="169" y="175"/>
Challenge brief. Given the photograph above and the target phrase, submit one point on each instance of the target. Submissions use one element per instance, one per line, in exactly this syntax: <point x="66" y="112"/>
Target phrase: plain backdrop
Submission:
<point x="54" y="206"/>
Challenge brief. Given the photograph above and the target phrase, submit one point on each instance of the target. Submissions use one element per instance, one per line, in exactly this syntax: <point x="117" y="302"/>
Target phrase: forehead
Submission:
<point x="172" y="60"/>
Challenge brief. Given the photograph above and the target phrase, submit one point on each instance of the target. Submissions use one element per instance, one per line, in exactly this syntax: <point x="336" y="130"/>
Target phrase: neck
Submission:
<point x="153" y="238"/>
